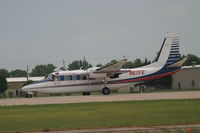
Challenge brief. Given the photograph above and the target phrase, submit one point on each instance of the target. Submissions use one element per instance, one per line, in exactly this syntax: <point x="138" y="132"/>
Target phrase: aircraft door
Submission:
<point x="56" y="79"/>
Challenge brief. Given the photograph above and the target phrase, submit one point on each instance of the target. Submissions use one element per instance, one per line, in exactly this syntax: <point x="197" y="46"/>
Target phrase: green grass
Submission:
<point x="95" y="115"/>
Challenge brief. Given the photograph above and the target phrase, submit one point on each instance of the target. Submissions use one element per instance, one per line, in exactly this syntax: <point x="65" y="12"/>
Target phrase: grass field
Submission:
<point x="95" y="115"/>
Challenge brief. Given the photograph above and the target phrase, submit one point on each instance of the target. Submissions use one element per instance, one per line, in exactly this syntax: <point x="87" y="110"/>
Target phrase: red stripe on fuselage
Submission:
<point x="142" y="79"/>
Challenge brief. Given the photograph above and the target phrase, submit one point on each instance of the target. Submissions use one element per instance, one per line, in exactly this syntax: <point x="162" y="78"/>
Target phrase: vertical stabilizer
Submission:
<point x="169" y="52"/>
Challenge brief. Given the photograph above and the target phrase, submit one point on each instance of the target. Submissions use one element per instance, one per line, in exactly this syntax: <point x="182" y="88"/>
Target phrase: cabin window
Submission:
<point x="78" y="77"/>
<point x="73" y="77"/>
<point x="67" y="77"/>
<point x="70" y="77"/>
<point x="62" y="78"/>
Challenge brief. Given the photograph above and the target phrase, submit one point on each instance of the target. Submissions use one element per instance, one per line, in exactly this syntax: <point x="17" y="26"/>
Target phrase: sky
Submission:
<point x="36" y="32"/>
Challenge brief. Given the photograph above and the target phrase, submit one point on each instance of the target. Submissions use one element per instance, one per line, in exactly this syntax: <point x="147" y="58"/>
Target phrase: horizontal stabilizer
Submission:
<point x="178" y="63"/>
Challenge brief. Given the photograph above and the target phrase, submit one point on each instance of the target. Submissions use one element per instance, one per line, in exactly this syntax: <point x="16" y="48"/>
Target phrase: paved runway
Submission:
<point x="100" y="98"/>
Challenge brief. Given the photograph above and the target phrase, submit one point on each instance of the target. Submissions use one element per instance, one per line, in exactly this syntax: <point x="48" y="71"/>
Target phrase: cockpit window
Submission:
<point x="50" y="77"/>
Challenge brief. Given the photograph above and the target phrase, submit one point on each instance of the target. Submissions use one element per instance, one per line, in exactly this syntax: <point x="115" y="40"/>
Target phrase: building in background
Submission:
<point x="187" y="78"/>
<point x="18" y="82"/>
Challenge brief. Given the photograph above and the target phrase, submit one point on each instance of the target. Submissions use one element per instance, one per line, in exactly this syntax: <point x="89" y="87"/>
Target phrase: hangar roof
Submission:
<point x="188" y="67"/>
<point x="23" y="79"/>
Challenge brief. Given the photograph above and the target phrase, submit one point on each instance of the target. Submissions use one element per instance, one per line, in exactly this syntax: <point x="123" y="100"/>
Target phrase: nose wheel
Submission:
<point x="29" y="95"/>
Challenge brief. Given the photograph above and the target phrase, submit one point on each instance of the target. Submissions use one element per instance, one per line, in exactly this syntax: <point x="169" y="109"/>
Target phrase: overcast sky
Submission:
<point x="47" y="31"/>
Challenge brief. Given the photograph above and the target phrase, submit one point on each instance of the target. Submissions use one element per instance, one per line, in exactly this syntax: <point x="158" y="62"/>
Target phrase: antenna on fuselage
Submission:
<point x="84" y="65"/>
<point x="64" y="64"/>
<point x="27" y="75"/>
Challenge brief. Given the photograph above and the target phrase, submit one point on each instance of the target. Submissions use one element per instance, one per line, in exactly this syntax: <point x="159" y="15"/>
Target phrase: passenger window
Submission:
<point x="73" y="77"/>
<point x="78" y="77"/>
<point x="67" y="78"/>
<point x="62" y="78"/>
<point x="70" y="77"/>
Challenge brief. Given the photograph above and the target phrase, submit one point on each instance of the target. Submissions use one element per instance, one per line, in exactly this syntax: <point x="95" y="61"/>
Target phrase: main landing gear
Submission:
<point x="106" y="91"/>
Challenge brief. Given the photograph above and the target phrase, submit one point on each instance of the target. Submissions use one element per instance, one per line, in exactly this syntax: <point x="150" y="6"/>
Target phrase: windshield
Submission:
<point x="50" y="77"/>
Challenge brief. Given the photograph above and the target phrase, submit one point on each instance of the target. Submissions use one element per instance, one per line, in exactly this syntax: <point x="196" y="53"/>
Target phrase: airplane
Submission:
<point x="111" y="77"/>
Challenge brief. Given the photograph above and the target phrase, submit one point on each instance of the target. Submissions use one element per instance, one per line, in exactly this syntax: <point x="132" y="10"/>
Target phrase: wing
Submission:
<point x="112" y="68"/>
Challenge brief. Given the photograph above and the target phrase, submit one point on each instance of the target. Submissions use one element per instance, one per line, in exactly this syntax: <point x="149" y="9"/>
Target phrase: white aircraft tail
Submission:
<point x="169" y="52"/>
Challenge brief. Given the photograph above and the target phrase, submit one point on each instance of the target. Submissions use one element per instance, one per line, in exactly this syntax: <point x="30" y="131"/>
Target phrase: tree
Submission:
<point x="136" y="63"/>
<point x="79" y="64"/>
<point x="129" y="64"/>
<point x="18" y="73"/>
<point x="146" y="62"/>
<point x="191" y="59"/>
<point x="157" y="56"/>
<point x="111" y="62"/>
<point x="5" y="73"/>
<point x="99" y="65"/>
<point x="3" y="83"/>
<point x="42" y="70"/>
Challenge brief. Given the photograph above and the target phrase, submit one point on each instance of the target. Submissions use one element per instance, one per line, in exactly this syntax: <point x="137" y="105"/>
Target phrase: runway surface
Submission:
<point x="100" y="98"/>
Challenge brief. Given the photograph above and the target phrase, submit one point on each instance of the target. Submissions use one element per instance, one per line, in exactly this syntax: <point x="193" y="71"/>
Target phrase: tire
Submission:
<point x="86" y="93"/>
<point x="29" y="95"/>
<point x="106" y="91"/>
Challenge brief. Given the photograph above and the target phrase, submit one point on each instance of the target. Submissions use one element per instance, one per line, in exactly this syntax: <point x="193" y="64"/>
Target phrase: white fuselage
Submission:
<point x="73" y="81"/>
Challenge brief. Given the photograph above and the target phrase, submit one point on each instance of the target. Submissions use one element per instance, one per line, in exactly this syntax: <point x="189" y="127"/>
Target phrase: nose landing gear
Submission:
<point x="29" y="95"/>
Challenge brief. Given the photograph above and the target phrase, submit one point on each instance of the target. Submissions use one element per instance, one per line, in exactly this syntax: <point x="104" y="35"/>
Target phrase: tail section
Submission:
<point x="169" y="55"/>
<point x="168" y="61"/>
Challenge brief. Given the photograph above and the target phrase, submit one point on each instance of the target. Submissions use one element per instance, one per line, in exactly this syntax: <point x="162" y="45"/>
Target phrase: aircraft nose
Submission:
<point x="25" y="88"/>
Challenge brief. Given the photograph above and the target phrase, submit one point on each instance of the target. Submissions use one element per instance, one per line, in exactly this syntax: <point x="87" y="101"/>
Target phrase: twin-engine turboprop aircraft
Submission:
<point x="111" y="77"/>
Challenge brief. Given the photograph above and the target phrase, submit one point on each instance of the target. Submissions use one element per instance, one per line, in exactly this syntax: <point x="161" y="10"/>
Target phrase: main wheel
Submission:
<point x="29" y="95"/>
<point x="106" y="91"/>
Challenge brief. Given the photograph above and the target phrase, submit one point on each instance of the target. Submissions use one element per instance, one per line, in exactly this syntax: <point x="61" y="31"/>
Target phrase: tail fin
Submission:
<point x="169" y="52"/>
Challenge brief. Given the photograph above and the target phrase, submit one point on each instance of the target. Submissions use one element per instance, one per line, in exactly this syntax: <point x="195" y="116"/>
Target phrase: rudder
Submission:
<point x="169" y="53"/>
